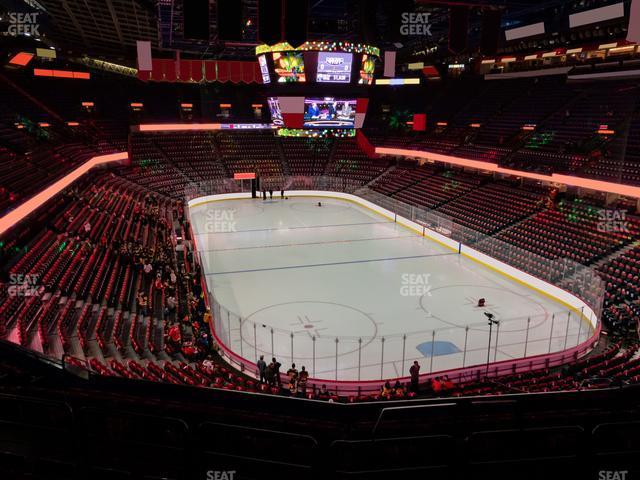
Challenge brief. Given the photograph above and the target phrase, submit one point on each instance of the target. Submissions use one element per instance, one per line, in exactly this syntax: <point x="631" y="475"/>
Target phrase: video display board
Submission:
<point x="318" y="63"/>
<point x="264" y="69"/>
<point x="276" y="113"/>
<point x="289" y="67"/>
<point x="329" y="112"/>
<point x="367" y="69"/>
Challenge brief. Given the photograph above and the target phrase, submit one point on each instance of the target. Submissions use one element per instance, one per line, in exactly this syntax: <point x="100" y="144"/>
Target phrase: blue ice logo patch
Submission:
<point x="438" y="348"/>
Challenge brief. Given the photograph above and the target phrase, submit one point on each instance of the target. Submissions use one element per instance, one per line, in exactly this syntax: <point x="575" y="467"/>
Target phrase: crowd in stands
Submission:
<point x="107" y="275"/>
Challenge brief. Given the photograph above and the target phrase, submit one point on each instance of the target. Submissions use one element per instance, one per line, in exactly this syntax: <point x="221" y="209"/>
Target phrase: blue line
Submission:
<point x="330" y="264"/>
<point x="326" y="242"/>
<point x="293" y="228"/>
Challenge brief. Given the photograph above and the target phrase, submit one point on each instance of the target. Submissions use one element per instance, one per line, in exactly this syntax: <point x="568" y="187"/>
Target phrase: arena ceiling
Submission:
<point x="110" y="28"/>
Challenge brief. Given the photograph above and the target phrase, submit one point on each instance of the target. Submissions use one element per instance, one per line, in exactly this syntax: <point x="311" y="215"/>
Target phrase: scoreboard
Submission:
<point x="334" y="67"/>
<point x="317" y="63"/>
<point x="318" y="88"/>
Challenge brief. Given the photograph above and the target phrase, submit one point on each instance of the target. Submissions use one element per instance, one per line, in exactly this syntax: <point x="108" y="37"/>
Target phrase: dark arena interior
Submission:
<point x="319" y="239"/>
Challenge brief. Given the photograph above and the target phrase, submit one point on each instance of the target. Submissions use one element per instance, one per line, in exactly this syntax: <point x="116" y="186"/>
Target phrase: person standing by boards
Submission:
<point x="262" y="369"/>
<point x="276" y="371"/>
<point x="415" y="376"/>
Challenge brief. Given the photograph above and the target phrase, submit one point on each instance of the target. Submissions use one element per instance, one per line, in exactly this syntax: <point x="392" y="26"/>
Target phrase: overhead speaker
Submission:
<point x="270" y="21"/>
<point x="458" y="28"/>
<point x="196" y="19"/>
<point x="230" y="19"/>
<point x="296" y="21"/>
<point x="490" y="31"/>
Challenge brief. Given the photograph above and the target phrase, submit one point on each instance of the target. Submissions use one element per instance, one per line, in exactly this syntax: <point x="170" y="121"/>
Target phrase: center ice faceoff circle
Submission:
<point x="325" y="321"/>
<point x="503" y="303"/>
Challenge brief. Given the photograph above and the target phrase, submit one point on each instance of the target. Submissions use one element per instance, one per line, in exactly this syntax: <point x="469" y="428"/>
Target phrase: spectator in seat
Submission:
<point x="188" y="350"/>
<point x="203" y="343"/>
<point x="303" y="376"/>
<point x="398" y="389"/>
<point x="436" y="385"/>
<point x="147" y="268"/>
<point x="262" y="369"/>
<point x="171" y="305"/>
<point x="292" y="373"/>
<point x="386" y="391"/>
<point x="208" y="363"/>
<point x="414" y="371"/>
<point x="174" y="335"/>
<point x="447" y="385"/>
<point x="323" y="393"/>
<point x="142" y="303"/>
<point x="158" y="285"/>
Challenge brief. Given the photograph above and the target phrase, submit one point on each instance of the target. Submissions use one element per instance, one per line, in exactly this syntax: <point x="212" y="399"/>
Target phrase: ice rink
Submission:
<point x="295" y="276"/>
